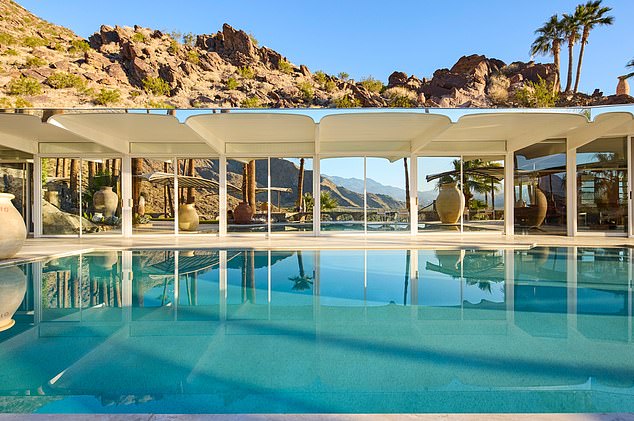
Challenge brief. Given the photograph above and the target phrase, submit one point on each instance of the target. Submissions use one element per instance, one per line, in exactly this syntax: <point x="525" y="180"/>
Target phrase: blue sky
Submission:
<point x="366" y="38"/>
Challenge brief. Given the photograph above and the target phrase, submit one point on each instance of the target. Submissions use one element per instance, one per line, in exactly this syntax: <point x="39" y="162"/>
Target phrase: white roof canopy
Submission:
<point x="389" y="134"/>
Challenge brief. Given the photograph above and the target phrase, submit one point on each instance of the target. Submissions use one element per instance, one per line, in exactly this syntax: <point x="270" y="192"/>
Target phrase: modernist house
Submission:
<point x="275" y="172"/>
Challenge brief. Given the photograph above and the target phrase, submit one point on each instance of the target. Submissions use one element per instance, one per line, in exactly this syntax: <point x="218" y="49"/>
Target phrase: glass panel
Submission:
<point x="387" y="187"/>
<point x="101" y="195"/>
<point x="61" y="197"/>
<point x="198" y="196"/>
<point x="484" y="178"/>
<point x="341" y="198"/>
<point x="540" y="188"/>
<point x="153" y="287"/>
<point x="602" y="185"/>
<point x="153" y="200"/>
<point x="291" y="194"/>
<point x="13" y="180"/>
<point x="292" y="285"/>
<point x="199" y="285"/>
<point x="247" y="285"/>
<point x="247" y="195"/>
<point x="440" y="199"/>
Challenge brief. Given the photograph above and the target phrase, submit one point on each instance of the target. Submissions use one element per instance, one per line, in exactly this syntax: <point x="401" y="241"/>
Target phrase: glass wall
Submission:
<point x="61" y="197"/>
<point x="540" y="188"/>
<point x="387" y="186"/>
<point x="198" y="196"/>
<point x="247" y="195"/>
<point x="291" y="195"/>
<point x="440" y="196"/>
<point x="483" y="178"/>
<point x="152" y="194"/>
<point x="342" y="194"/>
<point x="101" y="196"/>
<point x="602" y="185"/>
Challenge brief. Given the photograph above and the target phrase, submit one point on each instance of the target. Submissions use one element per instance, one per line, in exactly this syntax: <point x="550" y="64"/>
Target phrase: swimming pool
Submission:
<point x="329" y="331"/>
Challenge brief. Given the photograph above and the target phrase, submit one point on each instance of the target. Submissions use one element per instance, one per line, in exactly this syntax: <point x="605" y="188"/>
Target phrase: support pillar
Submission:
<point x="571" y="191"/>
<point x="413" y="195"/>
<point x="317" y="195"/>
<point x="509" y="194"/>
<point x="222" y="204"/>
<point x="37" y="196"/>
<point x="127" y="201"/>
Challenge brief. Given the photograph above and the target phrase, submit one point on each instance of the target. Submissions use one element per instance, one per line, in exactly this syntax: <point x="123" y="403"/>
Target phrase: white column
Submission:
<point x="571" y="191"/>
<point x="509" y="194"/>
<point x="127" y="201"/>
<point x="365" y="195"/>
<point x="175" y="198"/>
<point x="630" y="179"/>
<point x="222" y="196"/>
<point x="268" y="197"/>
<point x="36" y="214"/>
<point x="413" y="194"/>
<point x="316" y="195"/>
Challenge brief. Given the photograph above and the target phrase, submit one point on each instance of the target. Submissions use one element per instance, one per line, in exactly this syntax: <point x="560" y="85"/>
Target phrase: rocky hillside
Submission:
<point x="45" y="65"/>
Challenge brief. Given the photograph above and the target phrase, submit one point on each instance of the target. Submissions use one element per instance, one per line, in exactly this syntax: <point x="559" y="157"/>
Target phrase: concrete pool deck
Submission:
<point x="327" y="417"/>
<point x="42" y="248"/>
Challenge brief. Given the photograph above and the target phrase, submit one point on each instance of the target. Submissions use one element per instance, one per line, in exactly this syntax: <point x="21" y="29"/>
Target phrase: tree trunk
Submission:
<point x="584" y="40"/>
<point x="74" y="180"/>
<point x="300" y="264"/>
<point x="557" y="60"/>
<point x="571" y="59"/>
<point x="245" y="175"/>
<point x="300" y="187"/>
<point x="251" y="184"/>
<point x="407" y="198"/>
<point x="190" y="190"/>
<point x="91" y="171"/>
<point x="57" y="160"/>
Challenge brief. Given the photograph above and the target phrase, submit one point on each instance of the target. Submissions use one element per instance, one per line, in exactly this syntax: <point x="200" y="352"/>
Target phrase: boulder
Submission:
<point x="116" y="72"/>
<point x="397" y="79"/>
<point x="305" y="71"/>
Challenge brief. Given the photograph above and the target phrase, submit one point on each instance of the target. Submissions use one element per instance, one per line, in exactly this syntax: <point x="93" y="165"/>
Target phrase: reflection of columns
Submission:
<point x="37" y="196"/>
<point x="571" y="191"/>
<point x="268" y="271"/>
<point x="571" y="288"/>
<point x="36" y="273"/>
<point x="222" y="199"/>
<point x="509" y="284"/>
<point x="413" y="278"/>
<point x="223" y="284"/>
<point x="629" y="293"/>
<point x="509" y="194"/>
<point x="316" y="289"/>
<point x="126" y="287"/>
<point x="126" y="196"/>
<point x="316" y="195"/>
<point x="413" y="196"/>
<point x="176" y="285"/>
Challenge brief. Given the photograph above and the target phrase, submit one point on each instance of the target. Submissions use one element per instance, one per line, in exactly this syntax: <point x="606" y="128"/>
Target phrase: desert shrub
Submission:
<point x="34" y="42"/>
<point x="232" y="84"/>
<point x="11" y="52"/>
<point x="320" y="77"/>
<point x="156" y="86"/>
<point x="174" y="48"/>
<point x="107" y="97"/>
<point x="5" y="103"/>
<point x="160" y="104"/>
<point x="33" y="61"/>
<point x="306" y="89"/>
<point x="343" y="75"/>
<point x="135" y="94"/>
<point x="285" y="67"/>
<point x="25" y="85"/>
<point x="498" y="88"/>
<point x="371" y="84"/>
<point x="139" y="37"/>
<point x="330" y="86"/>
<point x="400" y="97"/>
<point x="78" y="46"/>
<point x="251" y="102"/>
<point x="189" y="39"/>
<point x="536" y="95"/>
<point x="193" y="57"/>
<point x="22" y="103"/>
<point x="58" y="46"/>
<point x="63" y="80"/>
<point x="6" y="39"/>
<point x="246" y="72"/>
<point x="254" y="41"/>
<point x="346" y="101"/>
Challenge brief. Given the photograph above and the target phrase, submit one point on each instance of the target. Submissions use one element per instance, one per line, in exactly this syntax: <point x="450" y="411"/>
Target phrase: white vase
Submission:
<point x="12" y="228"/>
<point x="449" y="203"/>
<point x="105" y="201"/>
<point x="12" y="290"/>
<point x="187" y="217"/>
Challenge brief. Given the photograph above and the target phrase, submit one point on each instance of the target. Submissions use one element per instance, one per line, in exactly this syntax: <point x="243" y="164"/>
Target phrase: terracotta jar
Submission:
<point x="623" y="87"/>
<point x="12" y="290"/>
<point x="540" y="206"/>
<point x="11" y="226"/>
<point x="188" y="219"/>
<point x="105" y="201"/>
<point x="450" y="203"/>
<point x="243" y="213"/>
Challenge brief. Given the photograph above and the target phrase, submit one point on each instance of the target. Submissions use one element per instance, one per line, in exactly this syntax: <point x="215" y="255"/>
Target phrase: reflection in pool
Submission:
<point x="365" y="331"/>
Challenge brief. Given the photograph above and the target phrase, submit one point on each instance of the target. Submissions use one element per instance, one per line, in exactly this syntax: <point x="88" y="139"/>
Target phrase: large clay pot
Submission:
<point x="12" y="228"/>
<point x="243" y="213"/>
<point x="449" y="203"/>
<point x="12" y="290"/>
<point x="623" y="87"/>
<point x="187" y="217"/>
<point x="105" y="201"/>
<point x="541" y="206"/>
<point x="104" y="260"/>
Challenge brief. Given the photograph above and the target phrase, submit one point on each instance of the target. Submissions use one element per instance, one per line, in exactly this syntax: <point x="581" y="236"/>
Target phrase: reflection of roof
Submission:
<point x="189" y="263"/>
<point x="188" y="181"/>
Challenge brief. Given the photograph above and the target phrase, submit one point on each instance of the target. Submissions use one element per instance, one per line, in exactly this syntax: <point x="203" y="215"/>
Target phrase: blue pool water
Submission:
<point x="331" y="331"/>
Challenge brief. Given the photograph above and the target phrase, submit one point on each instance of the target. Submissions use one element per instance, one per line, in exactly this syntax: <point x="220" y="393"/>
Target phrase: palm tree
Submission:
<point x="570" y="26"/>
<point x="301" y="282"/>
<point x="588" y="16"/>
<point x="630" y="64"/>
<point x="326" y="202"/>
<point x="549" y="39"/>
<point x="300" y="186"/>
